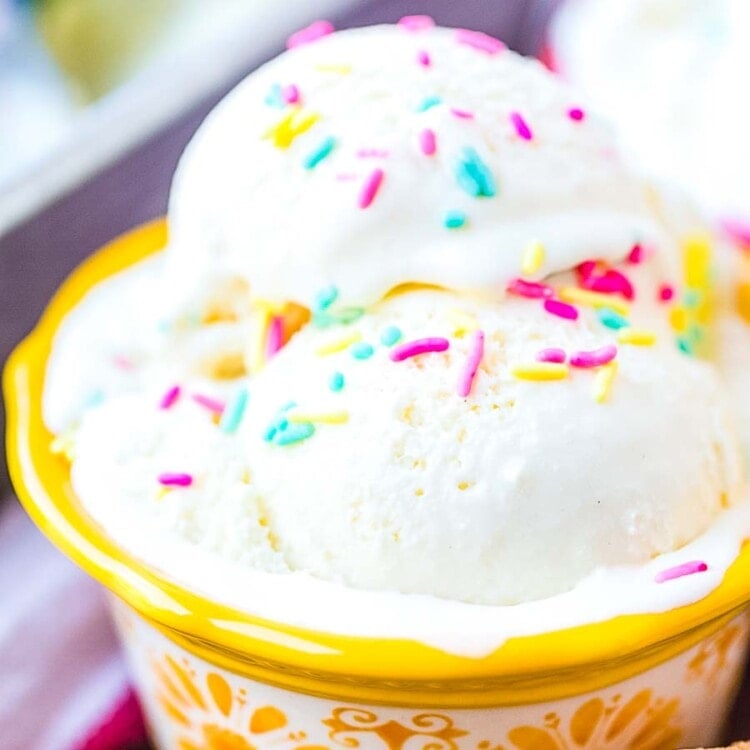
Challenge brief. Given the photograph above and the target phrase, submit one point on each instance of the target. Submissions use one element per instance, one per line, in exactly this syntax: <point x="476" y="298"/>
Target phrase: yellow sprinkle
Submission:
<point x="294" y="123"/>
<point x="678" y="318"/>
<point x="338" y="345"/>
<point x="343" y="70"/>
<point x="533" y="257"/>
<point x="595" y="299"/>
<point x="334" y="417"/>
<point x="540" y="371"/>
<point x="697" y="250"/>
<point x="603" y="381"/>
<point x="463" y="322"/>
<point x="743" y="300"/>
<point x="636" y="336"/>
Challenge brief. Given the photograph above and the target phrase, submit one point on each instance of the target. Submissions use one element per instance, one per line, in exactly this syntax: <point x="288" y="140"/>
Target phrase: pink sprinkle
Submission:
<point x="636" y="253"/>
<point x="316" y="30"/>
<point x="462" y="114"/>
<point x="666" y="292"/>
<point x="416" y="23"/>
<point x="553" y="354"/>
<point x="473" y="360"/>
<point x="175" y="479"/>
<point x="275" y="339"/>
<point x="123" y="363"/>
<point x="427" y="142"/>
<point x="576" y="114"/>
<point x="370" y="188"/>
<point x="418" y="346"/>
<point x="686" y="569"/>
<point x="479" y="41"/>
<point x="561" y="309"/>
<point x="522" y="128"/>
<point x="737" y="229"/>
<point x="372" y="153"/>
<point x="610" y="282"/>
<point x="595" y="358"/>
<point x="212" y="404"/>
<point x="423" y="58"/>
<point x="290" y="94"/>
<point x="530" y="289"/>
<point x="169" y="398"/>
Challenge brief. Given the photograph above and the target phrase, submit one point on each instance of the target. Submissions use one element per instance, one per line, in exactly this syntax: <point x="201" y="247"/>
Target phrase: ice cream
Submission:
<point x="495" y="395"/>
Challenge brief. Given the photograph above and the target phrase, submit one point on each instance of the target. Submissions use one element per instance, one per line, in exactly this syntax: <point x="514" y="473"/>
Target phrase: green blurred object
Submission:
<point x="100" y="43"/>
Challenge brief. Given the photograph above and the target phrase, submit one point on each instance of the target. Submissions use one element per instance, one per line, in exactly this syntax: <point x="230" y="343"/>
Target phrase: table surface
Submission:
<point x="37" y="255"/>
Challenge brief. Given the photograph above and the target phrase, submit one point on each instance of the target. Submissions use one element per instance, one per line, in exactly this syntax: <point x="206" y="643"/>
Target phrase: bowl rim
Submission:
<point x="613" y="649"/>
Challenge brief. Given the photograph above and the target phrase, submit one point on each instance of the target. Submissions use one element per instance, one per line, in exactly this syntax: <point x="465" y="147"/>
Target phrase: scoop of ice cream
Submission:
<point x="381" y="156"/>
<point x="669" y="73"/>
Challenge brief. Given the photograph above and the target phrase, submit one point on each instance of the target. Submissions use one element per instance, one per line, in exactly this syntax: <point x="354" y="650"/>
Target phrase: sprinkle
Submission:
<point x="462" y="114"/>
<point x="372" y="153"/>
<point x="293" y="124"/>
<point x="94" y="399"/>
<point x="533" y="257"/>
<point x="594" y="299"/>
<point x="636" y="337"/>
<point x="603" y="382"/>
<point x="212" y="404"/>
<point x="416" y="23"/>
<point x="274" y="336"/>
<point x="390" y="336"/>
<point x="175" y="479"/>
<point x="335" y="417"/>
<point x="666" y="292"/>
<point x="561" y="309"/>
<point x="418" y="346"/>
<point x="473" y="360"/>
<point x="370" y="188"/>
<point x="609" y="282"/>
<point x="320" y="153"/>
<point x="274" y="96"/>
<point x="479" y="41"/>
<point x="338" y="345"/>
<point x="529" y="289"/>
<point x="521" y="126"/>
<point x="678" y="571"/>
<point x="611" y="319"/>
<point x="576" y="114"/>
<point x="553" y="354"/>
<point x="423" y="58"/>
<point x="294" y="433"/>
<point x="473" y="175"/>
<point x="594" y="358"/>
<point x="427" y="142"/>
<point x="326" y="297"/>
<point x="290" y="94"/>
<point x="737" y="229"/>
<point x="429" y="103"/>
<point x="342" y="316"/>
<point x="540" y="371"/>
<point x="232" y="416"/>
<point x="336" y="382"/>
<point x="170" y="397"/>
<point x="454" y="219"/>
<point x="362" y="350"/>
<point x="685" y="346"/>
<point x="316" y="30"/>
<point x="636" y="254"/>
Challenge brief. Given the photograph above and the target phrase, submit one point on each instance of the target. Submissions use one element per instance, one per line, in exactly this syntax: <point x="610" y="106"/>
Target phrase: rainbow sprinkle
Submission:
<point x="370" y="188"/>
<point x="604" y="378"/>
<point x="462" y="114"/>
<point x="326" y="297"/>
<point x="679" y="571"/>
<point x="170" y="397"/>
<point x="561" y="309"/>
<point x="427" y="142"/>
<point x="594" y="299"/>
<point x="336" y="382"/>
<point x="275" y="335"/>
<point x="611" y="319"/>
<point x="594" y="358"/>
<point x="232" y="416"/>
<point x="175" y="479"/>
<point x="552" y="354"/>
<point x="454" y="219"/>
<point x="533" y="258"/>
<point x="479" y="41"/>
<point x="473" y="360"/>
<point x="391" y="336"/>
<point x="316" y="30"/>
<point x="293" y="124"/>
<point x="666" y="293"/>
<point x="428" y="103"/>
<point x="423" y="58"/>
<point x="323" y="151"/>
<point x="335" y="417"/>
<point x="416" y="23"/>
<point x="294" y="433"/>
<point x="274" y="97"/>
<point x="540" y="371"/>
<point x="207" y="402"/>
<point x="362" y="350"/>
<point x="338" y="345"/>
<point x="636" y="337"/>
<point x="576" y="114"/>
<point x="291" y="94"/>
<point x="530" y="289"/>
<point x="473" y="175"/>
<point x="419" y="346"/>
<point x="520" y="125"/>
<point x="636" y="254"/>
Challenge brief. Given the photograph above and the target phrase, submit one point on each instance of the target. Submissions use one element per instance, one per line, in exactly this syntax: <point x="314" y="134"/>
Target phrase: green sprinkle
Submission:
<point x="362" y="350"/>
<point x="390" y="336"/>
<point x="429" y="103"/>
<point x="295" y="433"/>
<point x="326" y="297"/>
<point x="232" y="415"/>
<point x="691" y="298"/>
<point x="348" y="315"/>
<point x="336" y="382"/>
<point x="454" y="220"/>
<point x="612" y="319"/>
<point x="694" y="333"/>
<point x="321" y="152"/>
<point x="685" y="346"/>
<point x="474" y="176"/>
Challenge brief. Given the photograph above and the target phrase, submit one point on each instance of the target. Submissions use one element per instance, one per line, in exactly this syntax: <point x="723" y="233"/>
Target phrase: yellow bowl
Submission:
<point x="211" y="676"/>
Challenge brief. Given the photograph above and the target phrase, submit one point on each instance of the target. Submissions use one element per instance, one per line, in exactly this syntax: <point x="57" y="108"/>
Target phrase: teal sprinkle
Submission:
<point x="94" y="399"/>
<point x="321" y="152"/>
<point x="454" y="220"/>
<point x="685" y="346"/>
<point x="691" y="298"/>
<point x="288" y="405"/>
<point x="326" y="297"/>
<point x="296" y="433"/>
<point x="429" y="103"/>
<point x="273" y="97"/>
<point x="362" y="350"/>
<point x="323" y="320"/>
<point x="694" y="334"/>
<point x="336" y="382"/>
<point x="390" y="336"/>
<point x="612" y="319"/>
<point x="474" y="176"/>
<point x="232" y="416"/>
<point x="270" y="433"/>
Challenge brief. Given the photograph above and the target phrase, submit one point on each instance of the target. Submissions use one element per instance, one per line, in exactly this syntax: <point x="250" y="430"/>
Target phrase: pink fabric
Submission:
<point x="122" y="728"/>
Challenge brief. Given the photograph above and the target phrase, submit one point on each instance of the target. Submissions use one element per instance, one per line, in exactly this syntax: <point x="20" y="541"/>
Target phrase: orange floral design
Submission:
<point x="711" y="659"/>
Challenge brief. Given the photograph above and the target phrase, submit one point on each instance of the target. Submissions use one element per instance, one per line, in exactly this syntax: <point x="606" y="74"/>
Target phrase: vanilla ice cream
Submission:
<point x="494" y="396"/>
